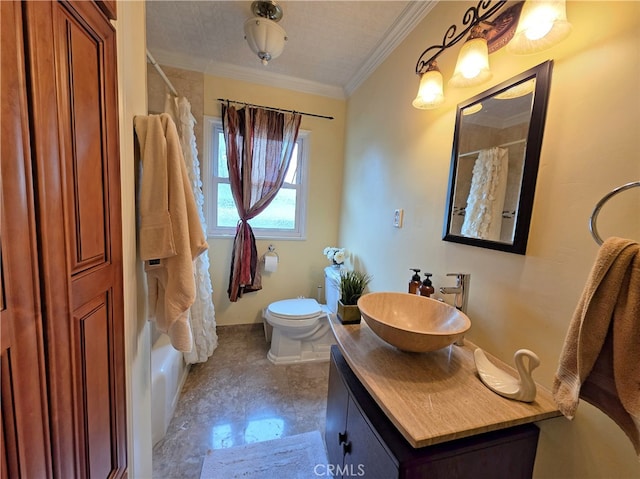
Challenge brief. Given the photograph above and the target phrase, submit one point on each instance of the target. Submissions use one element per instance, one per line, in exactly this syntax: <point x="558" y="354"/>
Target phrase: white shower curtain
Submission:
<point x="202" y="314"/>
<point x="483" y="214"/>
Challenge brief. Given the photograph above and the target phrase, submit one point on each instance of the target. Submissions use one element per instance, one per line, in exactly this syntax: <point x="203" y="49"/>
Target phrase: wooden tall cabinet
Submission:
<point x="62" y="345"/>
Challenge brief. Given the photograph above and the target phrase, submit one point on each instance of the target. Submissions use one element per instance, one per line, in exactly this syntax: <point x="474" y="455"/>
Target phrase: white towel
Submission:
<point x="166" y="200"/>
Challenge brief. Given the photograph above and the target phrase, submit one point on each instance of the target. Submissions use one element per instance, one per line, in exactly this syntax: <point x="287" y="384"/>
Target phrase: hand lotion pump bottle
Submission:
<point x="426" y="288"/>
<point x="414" y="284"/>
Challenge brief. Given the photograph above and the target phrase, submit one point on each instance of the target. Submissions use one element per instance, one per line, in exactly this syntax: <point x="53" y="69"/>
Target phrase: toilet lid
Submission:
<point x="302" y="308"/>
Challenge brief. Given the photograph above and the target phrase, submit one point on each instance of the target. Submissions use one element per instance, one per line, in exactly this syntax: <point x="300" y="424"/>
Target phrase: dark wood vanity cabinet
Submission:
<point x="362" y="442"/>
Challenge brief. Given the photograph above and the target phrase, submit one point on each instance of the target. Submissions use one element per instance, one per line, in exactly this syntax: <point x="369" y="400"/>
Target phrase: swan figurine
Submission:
<point x="501" y="382"/>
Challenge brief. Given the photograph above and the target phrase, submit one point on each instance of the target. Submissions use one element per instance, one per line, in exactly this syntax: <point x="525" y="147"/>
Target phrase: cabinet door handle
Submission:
<point x="346" y="447"/>
<point x="342" y="437"/>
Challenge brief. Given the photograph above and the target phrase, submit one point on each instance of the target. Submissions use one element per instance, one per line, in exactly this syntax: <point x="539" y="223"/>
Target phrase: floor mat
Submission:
<point x="293" y="457"/>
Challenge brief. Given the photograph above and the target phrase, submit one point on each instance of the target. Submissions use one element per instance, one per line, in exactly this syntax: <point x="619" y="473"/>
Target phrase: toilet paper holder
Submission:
<point x="271" y="251"/>
<point x="270" y="266"/>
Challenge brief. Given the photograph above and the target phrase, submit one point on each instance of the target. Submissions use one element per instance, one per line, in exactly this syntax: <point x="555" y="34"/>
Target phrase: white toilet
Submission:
<point x="300" y="327"/>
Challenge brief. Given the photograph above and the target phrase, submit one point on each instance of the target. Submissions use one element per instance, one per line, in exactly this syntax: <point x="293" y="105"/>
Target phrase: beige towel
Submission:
<point x="171" y="235"/>
<point x="600" y="360"/>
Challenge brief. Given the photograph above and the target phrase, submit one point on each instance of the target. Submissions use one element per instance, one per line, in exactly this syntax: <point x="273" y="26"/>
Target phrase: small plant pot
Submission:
<point x="348" y="313"/>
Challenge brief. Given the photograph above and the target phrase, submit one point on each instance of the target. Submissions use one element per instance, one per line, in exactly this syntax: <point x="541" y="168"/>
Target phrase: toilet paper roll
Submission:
<point x="270" y="263"/>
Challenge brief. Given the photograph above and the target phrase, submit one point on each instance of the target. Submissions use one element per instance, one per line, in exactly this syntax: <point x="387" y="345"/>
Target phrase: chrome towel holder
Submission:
<point x="603" y="200"/>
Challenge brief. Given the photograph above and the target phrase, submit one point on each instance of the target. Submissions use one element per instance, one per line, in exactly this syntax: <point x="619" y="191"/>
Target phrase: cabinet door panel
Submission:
<point x="76" y="156"/>
<point x="92" y="321"/>
<point x="24" y="444"/>
<point x="336" y="423"/>
<point x="86" y="170"/>
<point x="367" y="457"/>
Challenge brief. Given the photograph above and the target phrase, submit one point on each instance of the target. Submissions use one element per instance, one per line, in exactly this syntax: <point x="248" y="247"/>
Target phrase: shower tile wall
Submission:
<point x="239" y="397"/>
<point x="189" y="84"/>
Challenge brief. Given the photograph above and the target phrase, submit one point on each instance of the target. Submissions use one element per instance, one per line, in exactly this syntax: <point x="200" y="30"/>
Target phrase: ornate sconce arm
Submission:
<point x="472" y="17"/>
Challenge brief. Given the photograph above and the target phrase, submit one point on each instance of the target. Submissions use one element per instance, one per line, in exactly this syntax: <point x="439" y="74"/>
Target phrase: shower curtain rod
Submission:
<point x="224" y="100"/>
<point x="153" y="61"/>
<point x="511" y="143"/>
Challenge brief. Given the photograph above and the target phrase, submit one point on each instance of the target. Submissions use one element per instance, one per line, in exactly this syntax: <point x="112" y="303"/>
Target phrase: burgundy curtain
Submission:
<point x="259" y="146"/>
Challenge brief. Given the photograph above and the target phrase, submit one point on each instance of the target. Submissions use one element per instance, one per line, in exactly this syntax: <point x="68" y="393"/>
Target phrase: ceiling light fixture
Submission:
<point x="265" y="37"/>
<point x="525" y="27"/>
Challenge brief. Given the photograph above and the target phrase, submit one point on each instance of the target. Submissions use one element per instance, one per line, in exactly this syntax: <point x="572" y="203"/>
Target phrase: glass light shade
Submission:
<point x="473" y="64"/>
<point x="542" y="24"/>
<point x="265" y="37"/>
<point x="430" y="93"/>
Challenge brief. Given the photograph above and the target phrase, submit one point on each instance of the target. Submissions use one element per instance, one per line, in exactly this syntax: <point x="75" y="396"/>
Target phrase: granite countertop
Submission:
<point x="437" y="396"/>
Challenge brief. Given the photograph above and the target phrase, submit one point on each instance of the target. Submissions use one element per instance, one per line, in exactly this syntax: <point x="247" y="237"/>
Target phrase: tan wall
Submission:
<point x="301" y="265"/>
<point x="398" y="157"/>
<point x="132" y="93"/>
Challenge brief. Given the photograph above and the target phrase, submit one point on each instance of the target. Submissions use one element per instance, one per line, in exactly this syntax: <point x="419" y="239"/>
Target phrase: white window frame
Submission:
<point x="212" y="126"/>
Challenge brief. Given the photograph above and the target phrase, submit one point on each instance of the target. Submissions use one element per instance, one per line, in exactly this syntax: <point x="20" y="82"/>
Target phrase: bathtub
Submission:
<point x="168" y="372"/>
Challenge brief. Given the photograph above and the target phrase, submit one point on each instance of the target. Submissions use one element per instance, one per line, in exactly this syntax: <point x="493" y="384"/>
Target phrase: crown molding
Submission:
<point x="275" y="80"/>
<point x="180" y="61"/>
<point x="250" y="75"/>
<point x="410" y="17"/>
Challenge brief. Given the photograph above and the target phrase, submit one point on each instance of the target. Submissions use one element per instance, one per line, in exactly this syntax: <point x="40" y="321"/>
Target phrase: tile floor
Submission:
<point x="239" y="397"/>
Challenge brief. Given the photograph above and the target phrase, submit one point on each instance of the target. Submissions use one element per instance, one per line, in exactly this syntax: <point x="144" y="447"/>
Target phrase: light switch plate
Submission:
<point x="397" y="217"/>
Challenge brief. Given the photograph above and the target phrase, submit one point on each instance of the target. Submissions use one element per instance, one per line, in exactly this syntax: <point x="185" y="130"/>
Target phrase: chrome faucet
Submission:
<point x="461" y="290"/>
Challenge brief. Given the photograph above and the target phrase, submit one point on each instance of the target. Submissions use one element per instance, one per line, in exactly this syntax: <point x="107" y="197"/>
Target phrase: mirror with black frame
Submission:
<point x="494" y="163"/>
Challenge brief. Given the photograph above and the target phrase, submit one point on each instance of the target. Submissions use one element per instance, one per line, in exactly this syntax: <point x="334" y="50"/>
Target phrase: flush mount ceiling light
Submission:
<point x="265" y="37"/>
<point x="531" y="26"/>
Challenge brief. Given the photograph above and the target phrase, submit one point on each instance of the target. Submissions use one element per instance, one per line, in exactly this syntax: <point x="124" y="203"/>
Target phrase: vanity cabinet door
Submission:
<point x="336" y="423"/>
<point x="353" y="447"/>
<point x="365" y="455"/>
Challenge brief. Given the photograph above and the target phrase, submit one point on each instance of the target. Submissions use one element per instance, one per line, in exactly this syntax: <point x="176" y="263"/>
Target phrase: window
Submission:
<point x="283" y="218"/>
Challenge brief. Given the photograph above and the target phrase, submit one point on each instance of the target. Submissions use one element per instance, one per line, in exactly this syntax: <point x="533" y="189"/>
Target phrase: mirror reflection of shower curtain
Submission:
<point x="483" y="213"/>
<point x="202" y="316"/>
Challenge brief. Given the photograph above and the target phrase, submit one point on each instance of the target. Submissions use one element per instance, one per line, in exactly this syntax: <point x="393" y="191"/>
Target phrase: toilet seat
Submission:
<point x="295" y="309"/>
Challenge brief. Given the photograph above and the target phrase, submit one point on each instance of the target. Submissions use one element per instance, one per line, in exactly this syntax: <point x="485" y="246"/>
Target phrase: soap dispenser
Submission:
<point x="414" y="284"/>
<point x="426" y="288"/>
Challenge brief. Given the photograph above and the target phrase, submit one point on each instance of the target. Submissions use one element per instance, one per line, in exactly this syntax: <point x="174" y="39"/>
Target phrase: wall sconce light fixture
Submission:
<point x="524" y="27"/>
<point x="542" y="24"/>
<point x="265" y="37"/>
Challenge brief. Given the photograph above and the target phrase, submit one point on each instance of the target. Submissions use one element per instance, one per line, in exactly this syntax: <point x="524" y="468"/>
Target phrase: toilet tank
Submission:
<point x="332" y="287"/>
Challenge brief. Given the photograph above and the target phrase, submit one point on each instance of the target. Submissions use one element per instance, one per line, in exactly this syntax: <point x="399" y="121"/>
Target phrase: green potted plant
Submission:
<point x="352" y="286"/>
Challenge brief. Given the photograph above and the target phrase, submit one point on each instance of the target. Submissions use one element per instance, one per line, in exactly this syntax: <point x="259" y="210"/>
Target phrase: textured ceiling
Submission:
<point x="332" y="46"/>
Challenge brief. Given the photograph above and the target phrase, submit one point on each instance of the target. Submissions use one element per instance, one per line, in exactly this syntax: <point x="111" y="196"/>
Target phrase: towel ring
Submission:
<point x="603" y="200"/>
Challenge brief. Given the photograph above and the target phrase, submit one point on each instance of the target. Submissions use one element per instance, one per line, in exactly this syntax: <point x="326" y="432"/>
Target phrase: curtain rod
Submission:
<point x="153" y="61"/>
<point x="224" y="100"/>
<point x="511" y="143"/>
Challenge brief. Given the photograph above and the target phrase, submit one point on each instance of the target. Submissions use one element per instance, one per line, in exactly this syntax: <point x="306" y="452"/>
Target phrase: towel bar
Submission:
<point x="603" y="200"/>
